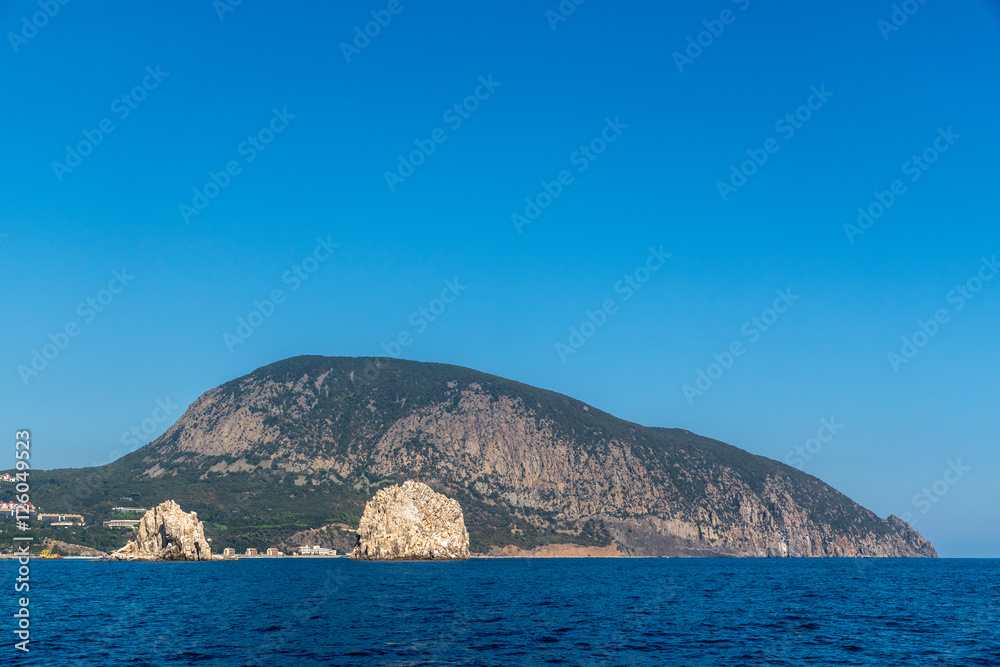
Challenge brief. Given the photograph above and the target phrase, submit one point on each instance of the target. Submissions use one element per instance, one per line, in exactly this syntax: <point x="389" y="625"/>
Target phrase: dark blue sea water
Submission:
<point x="512" y="612"/>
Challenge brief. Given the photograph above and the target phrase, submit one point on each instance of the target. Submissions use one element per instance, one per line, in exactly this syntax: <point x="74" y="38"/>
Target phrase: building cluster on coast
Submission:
<point x="125" y="523"/>
<point x="252" y="552"/>
<point x="29" y="511"/>
<point x="22" y="509"/>
<point x="11" y="509"/>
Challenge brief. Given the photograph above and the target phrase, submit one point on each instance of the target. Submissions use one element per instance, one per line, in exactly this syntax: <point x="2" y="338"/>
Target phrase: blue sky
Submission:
<point x="642" y="139"/>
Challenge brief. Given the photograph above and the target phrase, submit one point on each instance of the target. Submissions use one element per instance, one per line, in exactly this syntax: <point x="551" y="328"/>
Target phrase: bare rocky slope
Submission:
<point x="303" y="443"/>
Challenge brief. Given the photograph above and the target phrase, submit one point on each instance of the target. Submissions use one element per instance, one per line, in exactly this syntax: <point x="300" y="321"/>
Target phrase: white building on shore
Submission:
<point x="316" y="551"/>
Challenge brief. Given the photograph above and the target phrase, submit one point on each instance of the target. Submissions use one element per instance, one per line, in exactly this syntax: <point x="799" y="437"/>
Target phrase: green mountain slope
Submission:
<point x="304" y="443"/>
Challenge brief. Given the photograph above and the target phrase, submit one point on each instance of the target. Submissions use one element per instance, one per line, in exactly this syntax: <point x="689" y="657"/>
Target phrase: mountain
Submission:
<point x="292" y="451"/>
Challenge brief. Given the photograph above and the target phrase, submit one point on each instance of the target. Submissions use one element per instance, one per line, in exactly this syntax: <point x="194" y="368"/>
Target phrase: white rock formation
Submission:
<point x="166" y="532"/>
<point x="411" y="522"/>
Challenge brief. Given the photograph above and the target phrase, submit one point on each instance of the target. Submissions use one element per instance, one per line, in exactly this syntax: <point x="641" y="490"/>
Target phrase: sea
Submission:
<point x="516" y="612"/>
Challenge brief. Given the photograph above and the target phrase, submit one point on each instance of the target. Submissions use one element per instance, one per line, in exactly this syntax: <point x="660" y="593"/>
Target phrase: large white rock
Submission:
<point x="166" y="532"/>
<point x="411" y="522"/>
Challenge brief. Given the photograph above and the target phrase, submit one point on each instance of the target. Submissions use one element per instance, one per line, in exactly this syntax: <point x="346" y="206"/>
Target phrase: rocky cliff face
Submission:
<point x="530" y="467"/>
<point x="411" y="522"/>
<point x="166" y="533"/>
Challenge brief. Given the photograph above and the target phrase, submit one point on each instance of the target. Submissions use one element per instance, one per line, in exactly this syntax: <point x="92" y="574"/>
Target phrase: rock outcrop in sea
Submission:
<point x="166" y="532"/>
<point x="411" y="522"/>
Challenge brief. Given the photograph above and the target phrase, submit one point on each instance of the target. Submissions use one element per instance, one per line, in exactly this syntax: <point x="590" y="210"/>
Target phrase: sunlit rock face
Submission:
<point x="412" y="522"/>
<point x="166" y="532"/>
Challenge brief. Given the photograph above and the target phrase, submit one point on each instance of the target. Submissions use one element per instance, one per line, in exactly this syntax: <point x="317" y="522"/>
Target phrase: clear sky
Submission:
<point x="167" y="165"/>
